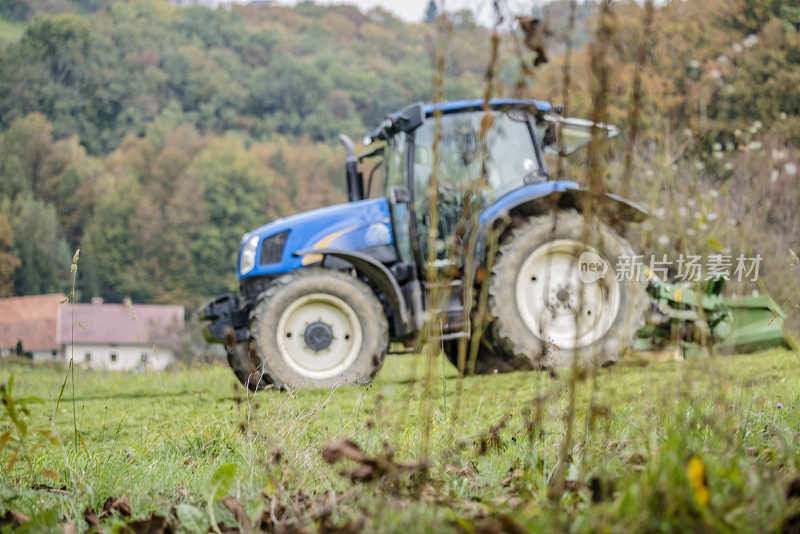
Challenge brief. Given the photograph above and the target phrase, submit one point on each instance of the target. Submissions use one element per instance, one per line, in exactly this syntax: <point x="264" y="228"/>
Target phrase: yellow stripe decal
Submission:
<point x="322" y="243"/>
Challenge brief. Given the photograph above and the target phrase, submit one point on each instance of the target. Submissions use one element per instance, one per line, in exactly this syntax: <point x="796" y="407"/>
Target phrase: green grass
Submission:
<point x="158" y="438"/>
<point x="10" y="30"/>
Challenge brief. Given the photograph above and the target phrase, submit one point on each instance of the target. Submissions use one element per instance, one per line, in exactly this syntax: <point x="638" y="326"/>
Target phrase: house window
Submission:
<point x="113" y="357"/>
<point x="87" y="357"/>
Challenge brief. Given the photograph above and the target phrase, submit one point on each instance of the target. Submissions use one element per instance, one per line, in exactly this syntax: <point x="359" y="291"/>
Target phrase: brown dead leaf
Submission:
<point x="154" y="524"/>
<point x="791" y="525"/>
<point x="535" y="34"/>
<point x="511" y="502"/>
<point x="371" y="468"/>
<point x="327" y="526"/>
<point x="602" y="490"/>
<point x="13" y="518"/>
<point x="68" y="527"/>
<point x="575" y="486"/>
<point x="486" y="526"/>
<point x="464" y="472"/>
<point x="239" y="513"/>
<point x="365" y="473"/>
<point x="491" y="439"/>
<point x="517" y="473"/>
<point x="636" y="458"/>
<point x="91" y="519"/>
<point x="116" y="504"/>
<point x="511" y="525"/>
<point x="793" y="489"/>
<point x="333" y="452"/>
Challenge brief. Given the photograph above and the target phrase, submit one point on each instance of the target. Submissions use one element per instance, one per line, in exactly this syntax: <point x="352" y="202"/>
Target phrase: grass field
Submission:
<point x="707" y="445"/>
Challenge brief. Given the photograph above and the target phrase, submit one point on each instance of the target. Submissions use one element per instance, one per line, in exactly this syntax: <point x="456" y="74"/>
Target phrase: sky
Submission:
<point x="414" y="10"/>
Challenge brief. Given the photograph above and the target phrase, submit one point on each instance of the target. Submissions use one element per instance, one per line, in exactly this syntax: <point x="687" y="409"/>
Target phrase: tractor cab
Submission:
<point x="474" y="154"/>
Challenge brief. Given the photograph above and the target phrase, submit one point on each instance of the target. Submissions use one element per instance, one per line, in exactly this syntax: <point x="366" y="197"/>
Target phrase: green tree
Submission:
<point x="9" y="262"/>
<point x="58" y="172"/>
<point x="112" y="246"/>
<point x="235" y="193"/>
<point x="40" y="246"/>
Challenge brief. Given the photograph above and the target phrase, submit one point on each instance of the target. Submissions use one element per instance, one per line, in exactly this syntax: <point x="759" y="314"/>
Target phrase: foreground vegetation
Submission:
<point x="703" y="445"/>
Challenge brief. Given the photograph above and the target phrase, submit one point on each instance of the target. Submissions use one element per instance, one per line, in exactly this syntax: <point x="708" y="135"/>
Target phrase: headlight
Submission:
<point x="248" y="256"/>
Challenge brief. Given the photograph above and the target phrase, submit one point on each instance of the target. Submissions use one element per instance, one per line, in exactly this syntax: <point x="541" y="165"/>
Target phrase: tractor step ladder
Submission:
<point x="450" y="288"/>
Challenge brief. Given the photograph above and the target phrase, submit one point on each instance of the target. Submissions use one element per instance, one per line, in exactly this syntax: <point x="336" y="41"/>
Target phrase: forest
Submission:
<point x="152" y="136"/>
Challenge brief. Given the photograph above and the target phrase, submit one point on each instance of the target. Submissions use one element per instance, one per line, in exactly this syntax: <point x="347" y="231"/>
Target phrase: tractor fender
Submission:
<point x="535" y="199"/>
<point x="377" y="273"/>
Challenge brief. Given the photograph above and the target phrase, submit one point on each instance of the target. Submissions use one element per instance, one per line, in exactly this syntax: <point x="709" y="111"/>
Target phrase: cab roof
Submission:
<point x="394" y="121"/>
<point x="475" y="104"/>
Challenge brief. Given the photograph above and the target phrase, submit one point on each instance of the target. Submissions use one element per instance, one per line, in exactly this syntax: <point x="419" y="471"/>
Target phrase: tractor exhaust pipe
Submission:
<point x="355" y="183"/>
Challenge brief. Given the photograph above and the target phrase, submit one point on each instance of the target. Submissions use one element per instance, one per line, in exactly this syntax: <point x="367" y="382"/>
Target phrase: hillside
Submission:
<point x="152" y="136"/>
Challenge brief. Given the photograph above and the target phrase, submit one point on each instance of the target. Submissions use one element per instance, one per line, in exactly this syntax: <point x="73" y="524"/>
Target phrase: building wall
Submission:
<point x="38" y="355"/>
<point x="46" y="355"/>
<point x="119" y="357"/>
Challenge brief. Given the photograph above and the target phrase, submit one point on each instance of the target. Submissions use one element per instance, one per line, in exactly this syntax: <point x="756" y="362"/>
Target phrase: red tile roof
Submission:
<point x="121" y="324"/>
<point x="32" y="320"/>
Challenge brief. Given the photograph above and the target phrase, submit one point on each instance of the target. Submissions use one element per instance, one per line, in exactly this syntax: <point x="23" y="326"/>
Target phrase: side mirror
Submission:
<point x="399" y="194"/>
<point x="411" y="117"/>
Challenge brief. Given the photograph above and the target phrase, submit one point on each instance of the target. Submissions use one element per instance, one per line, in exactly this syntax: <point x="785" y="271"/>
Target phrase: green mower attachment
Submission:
<point x="694" y="318"/>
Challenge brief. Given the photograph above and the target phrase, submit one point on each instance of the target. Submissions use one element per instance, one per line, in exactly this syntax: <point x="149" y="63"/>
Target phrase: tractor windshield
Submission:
<point x="474" y="170"/>
<point x="506" y="152"/>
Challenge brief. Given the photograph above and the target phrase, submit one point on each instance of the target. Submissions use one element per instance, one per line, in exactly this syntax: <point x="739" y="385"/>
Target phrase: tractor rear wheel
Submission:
<point x="318" y="328"/>
<point x="555" y="298"/>
<point x="488" y="360"/>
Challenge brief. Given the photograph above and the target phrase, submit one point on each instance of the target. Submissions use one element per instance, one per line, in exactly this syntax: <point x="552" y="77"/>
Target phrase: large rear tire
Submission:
<point x="488" y="360"/>
<point x="318" y="328"/>
<point x="555" y="298"/>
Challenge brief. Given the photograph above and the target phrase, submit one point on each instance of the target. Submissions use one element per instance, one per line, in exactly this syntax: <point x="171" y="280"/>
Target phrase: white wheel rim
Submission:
<point x="343" y="323"/>
<point x="556" y="305"/>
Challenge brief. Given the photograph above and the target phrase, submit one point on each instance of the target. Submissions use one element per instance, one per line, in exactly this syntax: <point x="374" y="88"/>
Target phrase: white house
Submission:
<point x="120" y="336"/>
<point x="98" y="336"/>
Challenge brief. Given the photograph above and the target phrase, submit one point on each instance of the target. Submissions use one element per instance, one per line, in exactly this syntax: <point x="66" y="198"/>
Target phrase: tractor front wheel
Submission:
<point x="318" y="328"/>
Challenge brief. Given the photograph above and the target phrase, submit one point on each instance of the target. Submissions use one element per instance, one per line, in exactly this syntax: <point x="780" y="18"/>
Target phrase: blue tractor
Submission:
<point x="324" y="293"/>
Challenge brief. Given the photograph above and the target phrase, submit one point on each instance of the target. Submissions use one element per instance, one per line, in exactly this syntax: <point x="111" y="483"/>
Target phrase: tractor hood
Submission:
<point x="352" y="226"/>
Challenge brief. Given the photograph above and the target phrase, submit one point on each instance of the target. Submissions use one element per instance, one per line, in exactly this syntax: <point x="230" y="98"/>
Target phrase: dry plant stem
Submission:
<point x="635" y="109"/>
<point x="74" y="270"/>
<point x="467" y="347"/>
<point x="476" y="190"/>
<point x="603" y="39"/>
<point x="634" y="112"/>
<point x="596" y="172"/>
<point x="482" y="313"/>
<point x="566" y="80"/>
<point x="432" y="328"/>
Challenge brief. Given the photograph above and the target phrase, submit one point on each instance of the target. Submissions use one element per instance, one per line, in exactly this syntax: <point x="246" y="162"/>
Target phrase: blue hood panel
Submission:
<point x="350" y="226"/>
